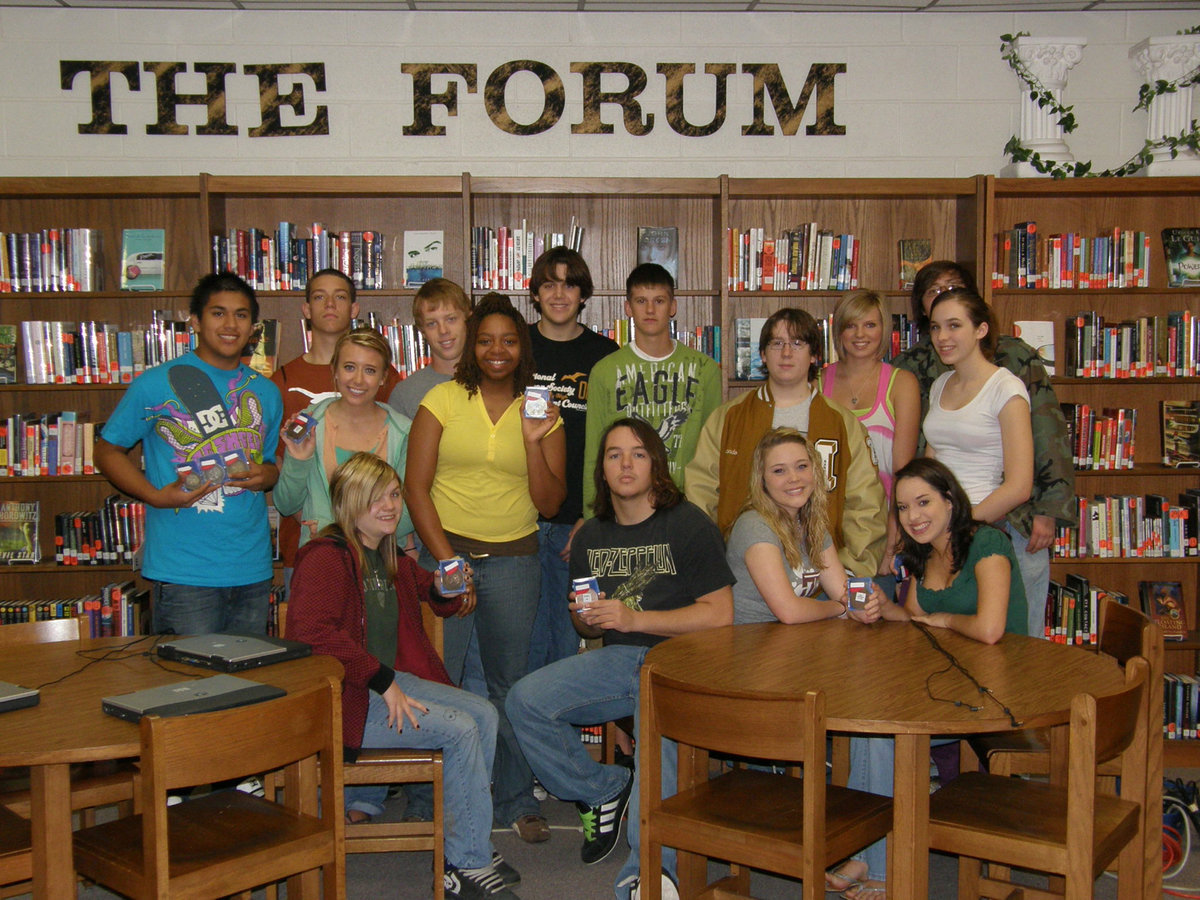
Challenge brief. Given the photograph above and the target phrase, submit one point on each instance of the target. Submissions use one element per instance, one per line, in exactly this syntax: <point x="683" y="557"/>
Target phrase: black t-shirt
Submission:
<point x="664" y="562"/>
<point x="564" y="366"/>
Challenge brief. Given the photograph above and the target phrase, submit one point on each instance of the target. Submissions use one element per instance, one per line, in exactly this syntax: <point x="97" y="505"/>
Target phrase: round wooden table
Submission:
<point x="874" y="680"/>
<point x="68" y="726"/>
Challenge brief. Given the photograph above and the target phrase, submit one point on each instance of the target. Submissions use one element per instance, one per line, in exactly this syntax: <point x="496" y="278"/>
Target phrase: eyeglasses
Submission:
<point x="776" y="345"/>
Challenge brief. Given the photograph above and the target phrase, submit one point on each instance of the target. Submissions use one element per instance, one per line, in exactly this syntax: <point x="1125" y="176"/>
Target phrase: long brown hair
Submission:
<point x="353" y="487"/>
<point x="664" y="493"/>
<point x="807" y="529"/>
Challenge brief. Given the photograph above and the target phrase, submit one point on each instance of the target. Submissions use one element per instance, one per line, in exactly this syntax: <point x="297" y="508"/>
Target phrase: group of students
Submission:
<point x="690" y="514"/>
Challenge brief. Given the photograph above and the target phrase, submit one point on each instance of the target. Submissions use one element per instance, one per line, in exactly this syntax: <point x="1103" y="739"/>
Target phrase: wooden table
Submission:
<point x="68" y="727"/>
<point x="874" y="679"/>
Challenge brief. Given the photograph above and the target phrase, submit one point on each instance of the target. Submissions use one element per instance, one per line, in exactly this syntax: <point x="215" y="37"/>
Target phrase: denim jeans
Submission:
<point x="506" y="590"/>
<point x="545" y="708"/>
<point x="464" y="727"/>
<point x="1035" y="574"/>
<point x="554" y="637"/>
<point x="190" y="609"/>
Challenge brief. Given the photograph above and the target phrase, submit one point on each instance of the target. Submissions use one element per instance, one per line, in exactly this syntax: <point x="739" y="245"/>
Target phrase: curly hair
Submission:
<point x="805" y="530"/>
<point x="664" y="492"/>
<point x="962" y="525"/>
<point x="468" y="373"/>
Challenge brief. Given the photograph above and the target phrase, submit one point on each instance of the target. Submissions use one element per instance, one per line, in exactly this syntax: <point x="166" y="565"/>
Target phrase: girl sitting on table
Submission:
<point x="354" y="597"/>
<point x="770" y="547"/>
<point x="964" y="577"/>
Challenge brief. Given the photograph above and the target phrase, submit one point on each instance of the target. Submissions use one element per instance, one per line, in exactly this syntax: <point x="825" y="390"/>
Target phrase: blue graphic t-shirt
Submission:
<point x="223" y="540"/>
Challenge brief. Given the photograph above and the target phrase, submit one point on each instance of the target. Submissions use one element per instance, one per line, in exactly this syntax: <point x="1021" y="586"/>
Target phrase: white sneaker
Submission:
<point x="670" y="890"/>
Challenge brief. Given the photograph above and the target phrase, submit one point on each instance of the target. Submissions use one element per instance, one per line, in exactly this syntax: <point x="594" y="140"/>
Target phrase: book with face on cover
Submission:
<point x="659" y="244"/>
<point x="422" y="257"/>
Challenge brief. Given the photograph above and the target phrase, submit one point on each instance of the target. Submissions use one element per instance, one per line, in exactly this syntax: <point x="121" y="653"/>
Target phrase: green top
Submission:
<point x="383" y="613"/>
<point x="1053" y="472"/>
<point x="962" y="596"/>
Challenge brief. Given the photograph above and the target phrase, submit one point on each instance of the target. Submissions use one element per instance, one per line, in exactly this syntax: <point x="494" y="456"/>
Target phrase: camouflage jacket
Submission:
<point x="1053" y="471"/>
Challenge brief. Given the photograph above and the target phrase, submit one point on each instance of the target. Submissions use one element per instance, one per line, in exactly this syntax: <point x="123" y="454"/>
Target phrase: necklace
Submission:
<point x="872" y="378"/>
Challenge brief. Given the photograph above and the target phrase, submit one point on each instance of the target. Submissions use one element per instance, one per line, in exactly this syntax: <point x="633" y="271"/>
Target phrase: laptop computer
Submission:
<point x="13" y="696"/>
<point x="185" y="698"/>
<point x="232" y="652"/>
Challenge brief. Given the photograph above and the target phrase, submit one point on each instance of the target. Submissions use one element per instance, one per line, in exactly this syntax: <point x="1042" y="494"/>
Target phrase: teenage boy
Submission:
<point x="653" y="377"/>
<point x="718" y="477"/>
<point x="440" y="311"/>
<point x="330" y="305"/>
<point x="660" y="565"/>
<point x="564" y="352"/>
<point x="208" y="549"/>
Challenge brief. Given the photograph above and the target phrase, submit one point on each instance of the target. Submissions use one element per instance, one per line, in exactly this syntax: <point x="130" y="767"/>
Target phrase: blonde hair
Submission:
<point x="858" y="305"/>
<point x="367" y="338"/>
<point x="353" y="487"/>
<point x="809" y="528"/>
<point x="436" y="293"/>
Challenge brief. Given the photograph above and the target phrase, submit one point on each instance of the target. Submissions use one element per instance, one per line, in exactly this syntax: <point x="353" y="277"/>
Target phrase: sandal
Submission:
<point x="867" y="890"/>
<point x="848" y="881"/>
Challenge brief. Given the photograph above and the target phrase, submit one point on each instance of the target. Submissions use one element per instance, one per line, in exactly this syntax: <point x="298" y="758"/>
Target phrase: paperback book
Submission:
<point x="1162" y="601"/>
<point x="1038" y="334"/>
<point x="1181" y="433"/>
<point x="1181" y="247"/>
<point x="8" y="354"/>
<point x="422" y="257"/>
<point x="914" y="253"/>
<point x="262" y="353"/>
<point x="659" y="244"/>
<point x="19" y="531"/>
<point x="142" y="259"/>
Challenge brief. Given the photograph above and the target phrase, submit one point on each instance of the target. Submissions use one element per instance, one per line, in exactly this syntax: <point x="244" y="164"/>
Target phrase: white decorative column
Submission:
<point x="1049" y="59"/>
<point x="1169" y="59"/>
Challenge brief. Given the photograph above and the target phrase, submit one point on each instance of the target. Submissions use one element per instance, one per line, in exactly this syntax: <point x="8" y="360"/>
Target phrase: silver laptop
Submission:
<point x="13" y="696"/>
<point x="184" y="698"/>
<point x="231" y="652"/>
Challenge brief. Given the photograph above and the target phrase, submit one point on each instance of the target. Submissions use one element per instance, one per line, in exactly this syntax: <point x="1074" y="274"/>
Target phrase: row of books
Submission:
<point x="1181" y="706"/>
<point x="502" y="258"/>
<point x="1100" y="439"/>
<point x="282" y="260"/>
<point x="53" y="443"/>
<point x="1119" y="258"/>
<point x="1128" y="525"/>
<point x="53" y="259"/>
<point x="1166" y="345"/>
<point x="91" y="352"/>
<point x="808" y="258"/>
<point x="119" y="609"/>
<point x="1073" y="610"/>
<point x="110" y="536"/>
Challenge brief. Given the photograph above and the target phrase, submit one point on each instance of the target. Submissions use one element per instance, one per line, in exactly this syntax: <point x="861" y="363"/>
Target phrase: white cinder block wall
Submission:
<point x="923" y="94"/>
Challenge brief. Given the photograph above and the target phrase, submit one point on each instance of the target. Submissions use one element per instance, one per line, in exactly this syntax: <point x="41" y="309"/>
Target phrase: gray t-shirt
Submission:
<point x="407" y="395"/>
<point x="748" y="604"/>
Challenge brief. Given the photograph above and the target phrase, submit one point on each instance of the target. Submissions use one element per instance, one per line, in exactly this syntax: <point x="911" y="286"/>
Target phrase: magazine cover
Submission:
<point x="1181" y="247"/>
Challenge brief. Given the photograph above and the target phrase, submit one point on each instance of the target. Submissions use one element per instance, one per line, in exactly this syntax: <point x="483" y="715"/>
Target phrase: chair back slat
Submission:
<point x="1120" y="717"/>
<point x="1122" y="629"/>
<point x="734" y="722"/>
<point x="46" y="631"/>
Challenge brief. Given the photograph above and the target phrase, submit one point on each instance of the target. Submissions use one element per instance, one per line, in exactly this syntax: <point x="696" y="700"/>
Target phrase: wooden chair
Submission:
<point x="46" y="631"/>
<point x="400" y="767"/>
<point x="228" y="841"/>
<point x="16" y="852"/>
<point x="793" y="826"/>
<point x="1072" y="831"/>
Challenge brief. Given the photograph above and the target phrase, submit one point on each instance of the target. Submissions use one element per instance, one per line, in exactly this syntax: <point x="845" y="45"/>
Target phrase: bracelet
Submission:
<point x="845" y="610"/>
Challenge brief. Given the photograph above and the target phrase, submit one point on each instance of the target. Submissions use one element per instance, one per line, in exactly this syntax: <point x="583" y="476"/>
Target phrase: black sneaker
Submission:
<point x="507" y="873"/>
<point x="475" y="884"/>
<point x="602" y="825"/>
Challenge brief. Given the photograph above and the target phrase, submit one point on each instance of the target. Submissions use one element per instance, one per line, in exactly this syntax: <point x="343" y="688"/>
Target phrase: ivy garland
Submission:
<point x="1040" y="94"/>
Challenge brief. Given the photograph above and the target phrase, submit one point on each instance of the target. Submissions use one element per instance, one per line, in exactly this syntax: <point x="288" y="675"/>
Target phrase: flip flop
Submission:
<point x="840" y="875"/>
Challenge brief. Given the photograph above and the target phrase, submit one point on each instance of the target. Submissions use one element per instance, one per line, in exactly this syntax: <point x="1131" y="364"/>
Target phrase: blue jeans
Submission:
<point x="190" y="609"/>
<point x="506" y="591"/>
<point x="464" y="727"/>
<point x="1035" y="573"/>
<point x="546" y="706"/>
<point x="554" y="637"/>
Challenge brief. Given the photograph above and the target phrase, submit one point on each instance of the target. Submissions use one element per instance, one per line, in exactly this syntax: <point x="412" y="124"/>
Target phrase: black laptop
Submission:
<point x="232" y="652"/>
